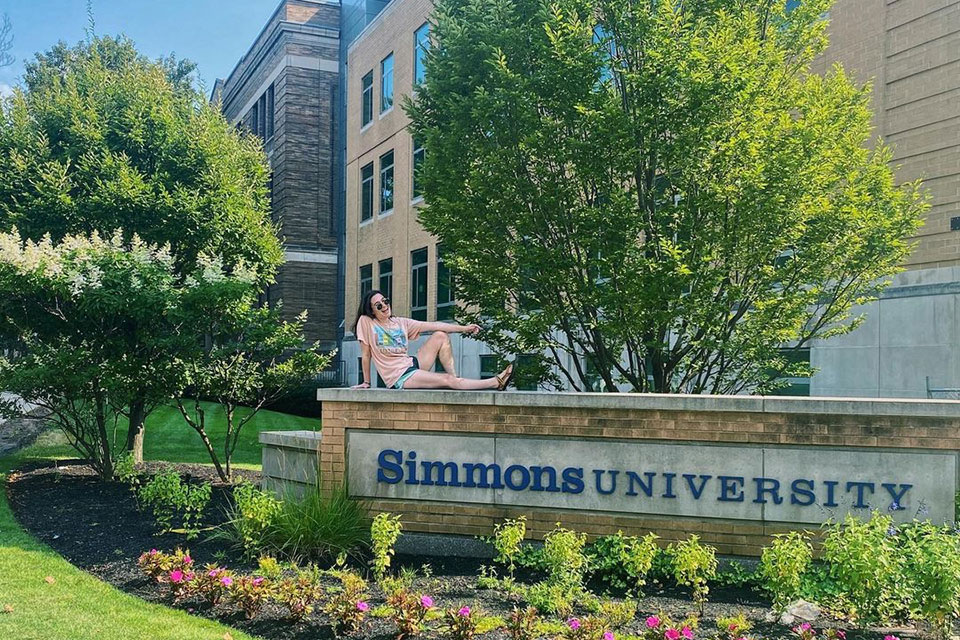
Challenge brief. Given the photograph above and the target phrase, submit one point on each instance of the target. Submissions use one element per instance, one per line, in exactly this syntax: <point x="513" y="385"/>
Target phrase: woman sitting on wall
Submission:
<point x="384" y="338"/>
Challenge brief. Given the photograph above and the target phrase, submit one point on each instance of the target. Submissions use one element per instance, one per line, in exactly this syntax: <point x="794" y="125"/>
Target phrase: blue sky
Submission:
<point x="212" y="33"/>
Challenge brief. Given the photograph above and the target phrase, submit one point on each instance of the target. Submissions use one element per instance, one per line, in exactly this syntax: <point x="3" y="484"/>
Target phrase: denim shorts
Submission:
<point x="406" y="374"/>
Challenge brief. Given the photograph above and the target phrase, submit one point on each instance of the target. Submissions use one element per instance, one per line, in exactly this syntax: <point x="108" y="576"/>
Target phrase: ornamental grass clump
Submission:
<point x="783" y="565"/>
<point x="693" y="565"/>
<point x="347" y="605"/>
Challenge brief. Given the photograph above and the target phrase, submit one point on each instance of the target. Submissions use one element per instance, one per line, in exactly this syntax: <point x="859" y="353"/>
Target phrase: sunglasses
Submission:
<point x="380" y="305"/>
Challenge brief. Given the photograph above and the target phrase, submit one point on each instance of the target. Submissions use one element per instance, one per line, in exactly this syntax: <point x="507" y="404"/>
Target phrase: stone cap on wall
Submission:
<point x="655" y="402"/>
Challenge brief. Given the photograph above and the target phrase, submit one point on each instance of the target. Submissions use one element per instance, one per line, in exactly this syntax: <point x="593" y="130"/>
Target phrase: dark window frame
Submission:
<point x="419" y="283"/>
<point x="366" y="99"/>
<point x="366" y="278"/>
<point x="385" y="277"/>
<point x="366" y="193"/>
<point x="445" y="308"/>
<point x="418" y="150"/>
<point x="387" y="180"/>
<point x="386" y="84"/>
<point x="420" y="48"/>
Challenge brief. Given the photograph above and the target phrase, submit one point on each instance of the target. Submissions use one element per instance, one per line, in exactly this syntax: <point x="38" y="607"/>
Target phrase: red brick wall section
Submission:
<point x="729" y="536"/>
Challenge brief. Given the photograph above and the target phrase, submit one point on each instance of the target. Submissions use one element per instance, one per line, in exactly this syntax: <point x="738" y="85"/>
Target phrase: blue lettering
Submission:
<point x="598" y="474"/>
<point x="389" y="466"/>
<point x="538" y="473"/>
<point x="731" y="488"/>
<point x="450" y="469"/>
<point x="668" y="492"/>
<point x="412" y="468"/>
<point x="696" y="491"/>
<point x="861" y="487"/>
<point x="807" y="493"/>
<point x="765" y="486"/>
<point x="831" y="488"/>
<point x="646" y="487"/>
<point x="896" y="495"/>
<point x="524" y="475"/>
<point x="573" y="480"/>
<point x="488" y="474"/>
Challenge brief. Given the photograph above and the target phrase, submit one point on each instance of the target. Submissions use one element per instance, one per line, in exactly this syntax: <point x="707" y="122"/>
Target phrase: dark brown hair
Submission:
<point x="366" y="307"/>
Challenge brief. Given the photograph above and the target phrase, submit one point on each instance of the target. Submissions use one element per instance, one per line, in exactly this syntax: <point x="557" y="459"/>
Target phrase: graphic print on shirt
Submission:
<point x="390" y="340"/>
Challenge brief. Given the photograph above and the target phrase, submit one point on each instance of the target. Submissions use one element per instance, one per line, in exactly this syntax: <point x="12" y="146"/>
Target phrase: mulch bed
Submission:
<point x="97" y="527"/>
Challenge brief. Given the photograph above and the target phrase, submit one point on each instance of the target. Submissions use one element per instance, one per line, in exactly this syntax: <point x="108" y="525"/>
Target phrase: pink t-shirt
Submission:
<point x="388" y="344"/>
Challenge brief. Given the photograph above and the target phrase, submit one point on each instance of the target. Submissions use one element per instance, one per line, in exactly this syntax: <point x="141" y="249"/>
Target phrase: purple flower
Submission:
<point x="214" y="573"/>
<point x="805" y="626"/>
<point x="226" y="581"/>
<point x="653" y="621"/>
<point x="257" y="582"/>
<point x="841" y="634"/>
<point x="464" y="611"/>
<point x="894" y="506"/>
<point x="891" y="638"/>
<point x="671" y="634"/>
<point x="608" y="635"/>
<point x="153" y="552"/>
<point x="176" y="576"/>
<point x="687" y="633"/>
<point x="426" y="601"/>
<point x="362" y="606"/>
<point x="187" y="560"/>
<point x="573" y="623"/>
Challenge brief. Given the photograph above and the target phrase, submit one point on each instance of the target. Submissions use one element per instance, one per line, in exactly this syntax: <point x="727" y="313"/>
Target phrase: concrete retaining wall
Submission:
<point x="290" y="461"/>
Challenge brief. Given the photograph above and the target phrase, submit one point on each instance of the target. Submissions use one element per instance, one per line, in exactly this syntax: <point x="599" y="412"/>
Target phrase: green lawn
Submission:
<point x="168" y="437"/>
<point x="77" y="606"/>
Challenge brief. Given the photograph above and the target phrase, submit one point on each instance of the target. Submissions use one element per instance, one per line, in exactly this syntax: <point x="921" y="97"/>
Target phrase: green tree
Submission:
<point x="100" y="138"/>
<point x="89" y="313"/>
<point x="6" y="42"/>
<point x="660" y="194"/>
<point x="250" y="357"/>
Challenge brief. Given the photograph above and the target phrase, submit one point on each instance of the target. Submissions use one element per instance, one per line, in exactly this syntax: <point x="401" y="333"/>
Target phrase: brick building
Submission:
<point x="911" y="52"/>
<point x="285" y="91"/>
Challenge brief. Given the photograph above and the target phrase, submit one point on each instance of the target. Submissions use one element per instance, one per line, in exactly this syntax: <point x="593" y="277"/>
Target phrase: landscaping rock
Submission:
<point x="800" y="611"/>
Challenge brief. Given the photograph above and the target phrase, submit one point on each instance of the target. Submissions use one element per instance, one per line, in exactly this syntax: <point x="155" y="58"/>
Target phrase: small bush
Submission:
<point x="693" y="565"/>
<point x="508" y="540"/>
<point x="347" y="606"/>
<point x="168" y="496"/>
<point x="734" y="627"/>
<point x="384" y="533"/>
<point x="298" y="595"/>
<point x="563" y="556"/>
<point x="552" y="598"/>
<point x="461" y="623"/>
<point x="661" y="627"/>
<point x="624" y="561"/>
<point x="522" y="623"/>
<point x="932" y="571"/>
<point x="250" y="594"/>
<point x="618" y="614"/>
<point x="211" y="584"/>
<point x="251" y="518"/>
<point x="864" y="563"/>
<point x="783" y="565"/>
<point x="158" y="564"/>
<point x="408" y="611"/>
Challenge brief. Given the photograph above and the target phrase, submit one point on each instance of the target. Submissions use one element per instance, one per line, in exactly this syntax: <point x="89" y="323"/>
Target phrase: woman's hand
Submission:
<point x="471" y="329"/>
<point x="362" y="385"/>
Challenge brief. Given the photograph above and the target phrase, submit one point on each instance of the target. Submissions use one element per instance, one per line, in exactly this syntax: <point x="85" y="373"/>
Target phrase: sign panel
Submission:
<point x="804" y="485"/>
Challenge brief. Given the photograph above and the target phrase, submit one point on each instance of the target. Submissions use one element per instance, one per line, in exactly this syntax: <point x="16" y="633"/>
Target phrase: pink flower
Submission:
<point x="687" y="633"/>
<point x="841" y="634"/>
<point x="573" y="623"/>
<point x="257" y="582"/>
<point x="153" y="552"/>
<point x="607" y="635"/>
<point x="671" y="634"/>
<point x="743" y="638"/>
<point x="732" y="627"/>
<point x="653" y="621"/>
<point x="176" y="575"/>
<point x="805" y="626"/>
<point x="226" y="581"/>
<point x="362" y="606"/>
<point x="187" y="560"/>
<point x="426" y="601"/>
<point x="214" y="573"/>
<point x="891" y="638"/>
<point x="464" y="611"/>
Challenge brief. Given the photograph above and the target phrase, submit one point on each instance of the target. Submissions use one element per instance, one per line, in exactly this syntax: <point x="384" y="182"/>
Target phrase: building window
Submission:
<point x="386" y="182"/>
<point x="418" y="155"/>
<point x="255" y="118"/>
<point x="418" y="284"/>
<point x="445" y="297"/>
<point x="366" y="192"/>
<point x="262" y="109"/>
<point x="366" y="279"/>
<point x="800" y="385"/>
<point x="488" y="366"/>
<point x="386" y="277"/>
<point x="594" y="379"/>
<point x="421" y="44"/>
<point x="366" y="99"/>
<point x="360" y="370"/>
<point x="386" y="83"/>
<point x="268" y="115"/>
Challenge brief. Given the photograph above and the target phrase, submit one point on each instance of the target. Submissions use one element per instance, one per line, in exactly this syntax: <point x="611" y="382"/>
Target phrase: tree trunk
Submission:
<point x="135" y="432"/>
<point x="226" y="443"/>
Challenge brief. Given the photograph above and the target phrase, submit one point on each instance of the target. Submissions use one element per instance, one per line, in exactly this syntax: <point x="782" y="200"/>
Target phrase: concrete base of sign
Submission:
<point x="290" y="461"/>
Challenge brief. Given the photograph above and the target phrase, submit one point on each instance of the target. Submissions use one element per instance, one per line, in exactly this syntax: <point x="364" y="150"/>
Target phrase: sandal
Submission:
<point x="504" y="380"/>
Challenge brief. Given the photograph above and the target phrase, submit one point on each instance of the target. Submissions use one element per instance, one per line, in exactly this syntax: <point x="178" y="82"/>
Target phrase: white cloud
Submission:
<point x="5" y="90"/>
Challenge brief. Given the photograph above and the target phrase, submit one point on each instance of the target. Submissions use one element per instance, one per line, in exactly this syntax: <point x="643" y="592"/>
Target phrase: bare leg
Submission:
<point x="436" y="347"/>
<point x="431" y="380"/>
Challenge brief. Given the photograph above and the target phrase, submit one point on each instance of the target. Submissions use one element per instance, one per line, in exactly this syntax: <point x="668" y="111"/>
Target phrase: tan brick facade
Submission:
<point x="832" y="428"/>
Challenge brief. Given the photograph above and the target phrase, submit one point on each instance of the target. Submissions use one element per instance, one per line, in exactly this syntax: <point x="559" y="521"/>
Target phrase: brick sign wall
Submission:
<point x="734" y="470"/>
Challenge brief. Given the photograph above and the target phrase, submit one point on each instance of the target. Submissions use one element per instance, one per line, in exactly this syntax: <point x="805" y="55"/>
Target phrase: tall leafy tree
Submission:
<point x="100" y="138"/>
<point x="656" y="195"/>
